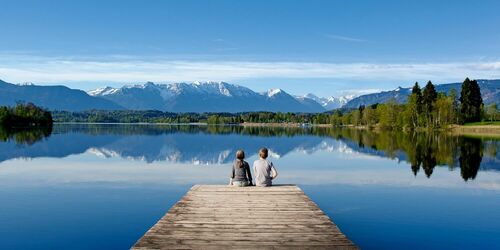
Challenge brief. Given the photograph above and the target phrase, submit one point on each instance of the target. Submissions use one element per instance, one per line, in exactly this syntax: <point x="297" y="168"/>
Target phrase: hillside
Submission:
<point x="52" y="97"/>
<point x="490" y="91"/>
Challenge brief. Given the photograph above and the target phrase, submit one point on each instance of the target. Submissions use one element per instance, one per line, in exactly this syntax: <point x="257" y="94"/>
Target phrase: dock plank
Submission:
<point x="223" y="217"/>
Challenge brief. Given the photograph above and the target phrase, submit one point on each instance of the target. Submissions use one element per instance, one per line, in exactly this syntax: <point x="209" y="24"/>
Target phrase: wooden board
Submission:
<point x="223" y="217"/>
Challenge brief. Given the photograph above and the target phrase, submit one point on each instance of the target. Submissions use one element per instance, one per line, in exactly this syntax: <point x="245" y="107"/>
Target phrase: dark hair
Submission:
<point x="263" y="153"/>
<point x="240" y="155"/>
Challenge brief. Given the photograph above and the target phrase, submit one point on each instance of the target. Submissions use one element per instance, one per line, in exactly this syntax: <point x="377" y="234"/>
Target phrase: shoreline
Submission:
<point x="471" y="130"/>
<point x="476" y="130"/>
<point x="285" y="125"/>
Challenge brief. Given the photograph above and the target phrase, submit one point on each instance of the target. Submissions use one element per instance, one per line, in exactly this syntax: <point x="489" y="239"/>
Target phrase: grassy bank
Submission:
<point x="495" y="123"/>
<point x="482" y="129"/>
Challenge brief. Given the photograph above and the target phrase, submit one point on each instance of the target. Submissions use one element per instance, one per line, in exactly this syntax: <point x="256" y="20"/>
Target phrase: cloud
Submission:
<point x="128" y="69"/>
<point x="344" y="38"/>
<point x="358" y="92"/>
<point x="218" y="40"/>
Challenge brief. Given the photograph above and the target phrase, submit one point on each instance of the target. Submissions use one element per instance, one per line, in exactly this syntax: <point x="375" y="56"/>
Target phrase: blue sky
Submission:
<point x="323" y="47"/>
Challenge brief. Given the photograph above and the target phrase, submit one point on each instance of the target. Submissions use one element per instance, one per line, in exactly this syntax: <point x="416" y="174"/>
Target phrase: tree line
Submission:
<point x="154" y="116"/>
<point x="24" y="116"/>
<point x="25" y="123"/>
<point x="424" y="109"/>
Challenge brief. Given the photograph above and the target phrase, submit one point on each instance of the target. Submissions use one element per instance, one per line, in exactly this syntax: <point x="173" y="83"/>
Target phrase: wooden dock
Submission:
<point x="223" y="217"/>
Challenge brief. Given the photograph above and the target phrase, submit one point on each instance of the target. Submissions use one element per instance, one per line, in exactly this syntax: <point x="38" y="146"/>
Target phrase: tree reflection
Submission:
<point x="424" y="150"/>
<point x="26" y="136"/>
<point x="415" y="164"/>
<point x="471" y="154"/>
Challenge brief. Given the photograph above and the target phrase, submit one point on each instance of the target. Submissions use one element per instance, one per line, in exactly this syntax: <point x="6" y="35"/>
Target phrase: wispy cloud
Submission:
<point x="224" y="45"/>
<point x="126" y="70"/>
<point x="218" y="40"/>
<point x="358" y="92"/>
<point x="344" y="38"/>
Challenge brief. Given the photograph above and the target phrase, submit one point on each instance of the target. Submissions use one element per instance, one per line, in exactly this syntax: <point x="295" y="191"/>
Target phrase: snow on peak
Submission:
<point x="346" y="98"/>
<point x="26" y="84"/>
<point x="331" y="99"/>
<point x="102" y="91"/>
<point x="312" y="96"/>
<point x="199" y="83"/>
<point x="330" y="102"/>
<point x="273" y="92"/>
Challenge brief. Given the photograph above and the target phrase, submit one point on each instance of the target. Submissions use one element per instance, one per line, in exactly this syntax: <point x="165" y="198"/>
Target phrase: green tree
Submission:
<point x="335" y="119"/>
<point x="346" y="119"/>
<point x="355" y="117"/>
<point x="369" y="117"/>
<point x="411" y="112"/>
<point x="455" y="106"/>
<point x="443" y="114"/>
<point x="388" y="114"/>
<point x="471" y="101"/>
<point x="491" y="111"/>
<point x="429" y="96"/>
<point x="417" y="92"/>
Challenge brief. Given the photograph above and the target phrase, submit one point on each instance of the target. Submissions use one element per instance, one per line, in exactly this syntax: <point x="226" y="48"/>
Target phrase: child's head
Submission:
<point x="263" y="153"/>
<point x="240" y="154"/>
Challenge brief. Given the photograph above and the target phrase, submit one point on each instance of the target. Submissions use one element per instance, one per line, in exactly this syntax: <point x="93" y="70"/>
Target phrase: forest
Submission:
<point x="24" y="116"/>
<point x="25" y="123"/>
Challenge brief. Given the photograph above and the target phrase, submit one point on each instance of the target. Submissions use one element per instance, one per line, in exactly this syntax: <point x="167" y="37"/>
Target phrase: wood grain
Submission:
<point x="223" y="217"/>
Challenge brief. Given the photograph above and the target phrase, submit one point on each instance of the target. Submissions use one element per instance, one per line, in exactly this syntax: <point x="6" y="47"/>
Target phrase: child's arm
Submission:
<point x="249" y="174"/>
<point x="274" y="173"/>
<point x="231" y="177"/>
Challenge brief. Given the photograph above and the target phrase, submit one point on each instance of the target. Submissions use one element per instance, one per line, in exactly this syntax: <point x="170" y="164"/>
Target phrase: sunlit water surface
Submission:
<point x="102" y="186"/>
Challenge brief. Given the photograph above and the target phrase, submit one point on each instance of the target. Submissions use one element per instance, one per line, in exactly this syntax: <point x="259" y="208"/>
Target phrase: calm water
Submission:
<point x="103" y="186"/>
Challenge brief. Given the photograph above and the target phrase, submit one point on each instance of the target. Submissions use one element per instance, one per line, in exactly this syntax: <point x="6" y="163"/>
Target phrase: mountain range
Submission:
<point x="206" y="97"/>
<point x="174" y="97"/>
<point x="490" y="91"/>
<point x="52" y="97"/>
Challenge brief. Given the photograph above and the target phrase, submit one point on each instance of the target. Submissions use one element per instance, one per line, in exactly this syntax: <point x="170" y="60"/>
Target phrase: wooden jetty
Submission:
<point x="223" y="217"/>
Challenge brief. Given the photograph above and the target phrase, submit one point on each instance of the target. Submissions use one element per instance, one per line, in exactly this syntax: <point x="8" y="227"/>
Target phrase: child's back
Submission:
<point x="264" y="170"/>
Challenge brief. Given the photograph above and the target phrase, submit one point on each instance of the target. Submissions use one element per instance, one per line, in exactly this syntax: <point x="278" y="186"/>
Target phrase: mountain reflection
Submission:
<point x="218" y="144"/>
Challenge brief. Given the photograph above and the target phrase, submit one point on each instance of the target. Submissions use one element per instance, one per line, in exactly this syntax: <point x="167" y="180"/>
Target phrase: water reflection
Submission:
<point x="217" y="145"/>
<point x="427" y="150"/>
<point x="26" y="136"/>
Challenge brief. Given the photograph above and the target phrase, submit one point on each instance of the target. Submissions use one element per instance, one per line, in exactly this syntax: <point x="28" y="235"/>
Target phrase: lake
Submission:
<point x="102" y="186"/>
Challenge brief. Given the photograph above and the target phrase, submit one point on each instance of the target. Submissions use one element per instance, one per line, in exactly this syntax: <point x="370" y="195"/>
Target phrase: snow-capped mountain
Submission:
<point x="102" y="91"/>
<point x="331" y="102"/>
<point x="204" y="97"/>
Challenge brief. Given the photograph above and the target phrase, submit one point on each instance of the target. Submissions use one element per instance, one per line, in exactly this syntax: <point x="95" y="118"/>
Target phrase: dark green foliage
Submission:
<point x="25" y="123"/>
<point x="471" y="154"/>
<point x="129" y="116"/>
<point x="429" y="96"/>
<point x="418" y="95"/>
<point x="24" y="116"/>
<point x="471" y="101"/>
